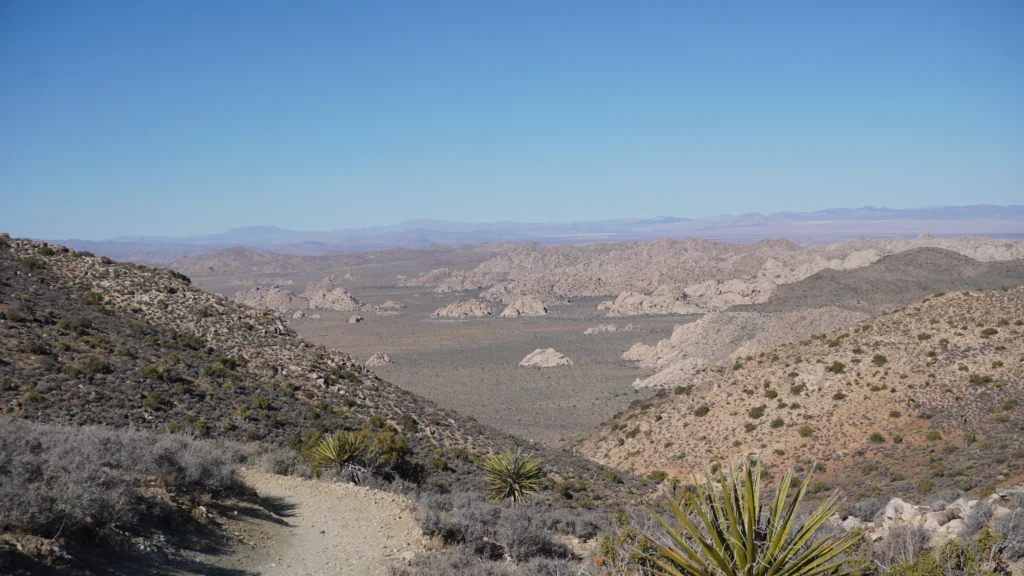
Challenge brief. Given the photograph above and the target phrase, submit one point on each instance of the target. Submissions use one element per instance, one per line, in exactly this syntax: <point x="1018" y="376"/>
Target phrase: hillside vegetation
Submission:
<point x="924" y="398"/>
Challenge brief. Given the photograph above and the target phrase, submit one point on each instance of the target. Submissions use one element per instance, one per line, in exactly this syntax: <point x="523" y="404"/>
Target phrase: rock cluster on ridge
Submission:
<point x="270" y="298"/>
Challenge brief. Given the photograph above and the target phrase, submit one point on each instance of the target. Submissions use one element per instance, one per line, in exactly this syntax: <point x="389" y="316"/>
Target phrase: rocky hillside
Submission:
<point x="926" y="397"/>
<point x="826" y="301"/>
<point x="88" y="340"/>
<point x="682" y="275"/>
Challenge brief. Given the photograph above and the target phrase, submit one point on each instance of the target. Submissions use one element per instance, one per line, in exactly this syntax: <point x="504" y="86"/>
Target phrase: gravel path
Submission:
<point x="323" y="528"/>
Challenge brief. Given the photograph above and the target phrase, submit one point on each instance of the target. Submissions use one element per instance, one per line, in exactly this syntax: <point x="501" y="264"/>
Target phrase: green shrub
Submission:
<point x="757" y="411"/>
<point x="879" y="360"/>
<point x="777" y="423"/>
<point x="933" y="436"/>
<point x="735" y="545"/>
<point x="657" y="476"/>
<point x="805" y="431"/>
<point x="701" y="411"/>
<point x="835" y="367"/>
<point x="511" y="476"/>
<point x="876" y="438"/>
<point x="771" y="394"/>
<point x="987" y="332"/>
<point x="797" y="389"/>
<point x="839" y="396"/>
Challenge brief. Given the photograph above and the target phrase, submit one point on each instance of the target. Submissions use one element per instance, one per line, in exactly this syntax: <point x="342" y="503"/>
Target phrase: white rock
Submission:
<point x="545" y="358"/>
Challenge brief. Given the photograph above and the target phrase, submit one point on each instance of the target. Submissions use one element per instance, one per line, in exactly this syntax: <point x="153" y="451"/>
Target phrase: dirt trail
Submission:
<point x="321" y="528"/>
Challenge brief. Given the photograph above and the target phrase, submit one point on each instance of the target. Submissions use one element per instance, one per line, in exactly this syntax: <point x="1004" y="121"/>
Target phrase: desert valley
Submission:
<point x="890" y="368"/>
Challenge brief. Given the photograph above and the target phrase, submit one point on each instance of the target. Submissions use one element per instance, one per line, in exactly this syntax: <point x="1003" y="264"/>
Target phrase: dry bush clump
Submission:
<point x="64" y="478"/>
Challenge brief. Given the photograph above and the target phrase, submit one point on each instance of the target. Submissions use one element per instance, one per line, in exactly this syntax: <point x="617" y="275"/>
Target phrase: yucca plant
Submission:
<point x="512" y="476"/>
<point x="734" y="533"/>
<point x="344" y="450"/>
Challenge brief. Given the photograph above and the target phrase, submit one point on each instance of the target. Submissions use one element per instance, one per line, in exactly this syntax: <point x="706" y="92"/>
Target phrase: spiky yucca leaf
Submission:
<point x="735" y="534"/>
<point x="512" y="475"/>
<point x="342" y="450"/>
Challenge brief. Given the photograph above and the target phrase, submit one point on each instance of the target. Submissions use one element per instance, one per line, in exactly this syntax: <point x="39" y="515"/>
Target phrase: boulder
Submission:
<point x="327" y="295"/>
<point x="355" y="319"/>
<point x="298" y="315"/>
<point x="545" y="358"/>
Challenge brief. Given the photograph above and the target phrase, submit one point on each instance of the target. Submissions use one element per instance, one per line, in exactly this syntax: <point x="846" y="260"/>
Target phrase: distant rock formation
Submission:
<point x="464" y="309"/>
<point x="525" y="306"/>
<point x="379" y="359"/>
<point x="664" y="300"/>
<point x="271" y="298"/>
<point x="328" y="295"/>
<point x="545" y="358"/>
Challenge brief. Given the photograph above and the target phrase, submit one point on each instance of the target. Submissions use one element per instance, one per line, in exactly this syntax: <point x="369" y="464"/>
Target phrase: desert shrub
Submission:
<point x="865" y="509"/>
<point x="839" y="396"/>
<point x="1011" y="530"/>
<point x="903" y="544"/>
<point x="777" y="423"/>
<point x="756" y="411"/>
<point x="525" y="538"/>
<point x="512" y="475"/>
<point x="96" y="365"/>
<point x="459" y="519"/>
<point x="657" y="476"/>
<point x="797" y="389"/>
<point x="346" y="451"/>
<point x="988" y="332"/>
<point x="924" y="336"/>
<point x="876" y="438"/>
<point x="702" y="410"/>
<point x="976" y="519"/>
<point x="933" y="436"/>
<point x="771" y="394"/>
<point x="549" y="567"/>
<point x="879" y="360"/>
<point x="835" y="367"/>
<point x="980" y="379"/>
<point x="459" y="561"/>
<point x="65" y="477"/>
<point x="895" y="414"/>
<point x="805" y="431"/>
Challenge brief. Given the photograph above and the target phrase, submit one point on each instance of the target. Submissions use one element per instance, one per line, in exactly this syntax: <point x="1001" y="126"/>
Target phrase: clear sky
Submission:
<point x="185" y="117"/>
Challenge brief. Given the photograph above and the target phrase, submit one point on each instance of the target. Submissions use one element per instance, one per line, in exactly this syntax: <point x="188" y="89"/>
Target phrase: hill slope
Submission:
<point x="928" y="396"/>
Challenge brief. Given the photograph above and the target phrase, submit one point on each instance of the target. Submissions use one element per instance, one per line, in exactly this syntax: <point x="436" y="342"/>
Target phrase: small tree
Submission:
<point x="734" y="533"/>
<point x="511" y="476"/>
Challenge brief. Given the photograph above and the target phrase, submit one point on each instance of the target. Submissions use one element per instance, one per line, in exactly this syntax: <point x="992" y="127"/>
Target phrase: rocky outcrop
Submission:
<point x="545" y="358"/>
<point x="379" y="359"/>
<point x="664" y="300"/>
<point x="328" y="295"/>
<point x="525" y="306"/>
<point x="471" y="308"/>
<point x="270" y="298"/>
<point x="718" y="336"/>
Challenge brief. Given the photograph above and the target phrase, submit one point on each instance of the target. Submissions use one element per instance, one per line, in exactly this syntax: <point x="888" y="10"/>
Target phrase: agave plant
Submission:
<point x="512" y="476"/>
<point x="734" y="534"/>
<point x="344" y="450"/>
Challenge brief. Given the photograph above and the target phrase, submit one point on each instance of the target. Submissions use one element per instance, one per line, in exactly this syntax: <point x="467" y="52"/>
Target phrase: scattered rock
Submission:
<point x="355" y="319"/>
<point x="545" y="358"/>
<point x="298" y="315"/>
<point x="601" y="328"/>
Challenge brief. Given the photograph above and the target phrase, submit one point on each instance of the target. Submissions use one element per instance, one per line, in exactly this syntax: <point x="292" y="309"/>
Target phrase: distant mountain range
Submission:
<point x="819" y="226"/>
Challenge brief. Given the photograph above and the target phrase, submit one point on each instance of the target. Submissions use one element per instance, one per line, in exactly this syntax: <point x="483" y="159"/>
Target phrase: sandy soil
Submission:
<point x="319" y="528"/>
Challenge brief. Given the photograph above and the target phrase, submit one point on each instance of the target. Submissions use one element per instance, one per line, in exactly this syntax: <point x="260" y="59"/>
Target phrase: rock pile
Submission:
<point x="379" y="359"/>
<point x="270" y="298"/>
<point x="525" y="306"/>
<point x="328" y="295"/>
<point x="600" y="328"/>
<point x="471" y="308"/>
<point x="545" y="358"/>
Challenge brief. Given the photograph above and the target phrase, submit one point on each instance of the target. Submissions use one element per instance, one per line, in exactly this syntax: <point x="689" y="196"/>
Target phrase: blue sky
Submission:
<point x="145" y="117"/>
